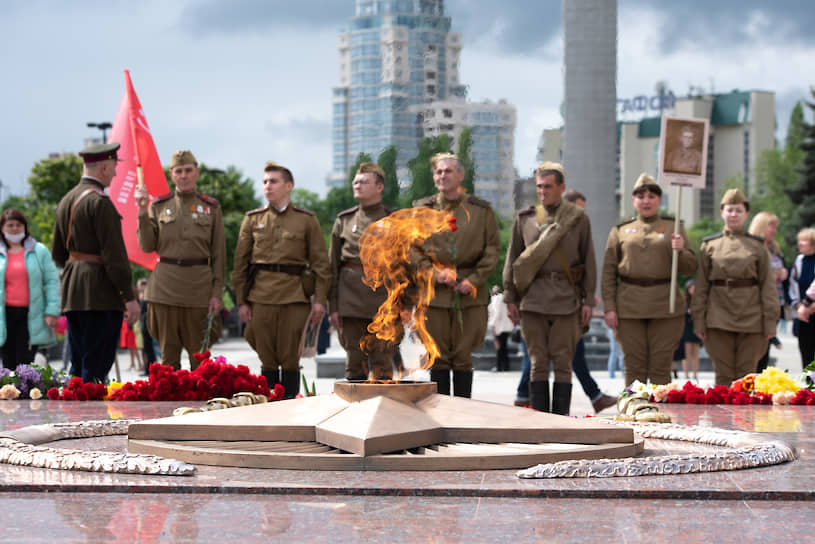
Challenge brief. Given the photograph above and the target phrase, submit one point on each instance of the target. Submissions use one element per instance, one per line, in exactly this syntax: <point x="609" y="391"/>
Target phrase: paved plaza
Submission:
<point x="226" y="504"/>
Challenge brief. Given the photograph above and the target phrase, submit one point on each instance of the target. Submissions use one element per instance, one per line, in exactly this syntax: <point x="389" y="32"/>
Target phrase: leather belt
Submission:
<point x="645" y="282"/>
<point x="729" y="282"/>
<point x="577" y="274"/>
<point x="353" y="264"/>
<point x="184" y="262"/>
<point x="87" y="257"/>
<point x="292" y="269"/>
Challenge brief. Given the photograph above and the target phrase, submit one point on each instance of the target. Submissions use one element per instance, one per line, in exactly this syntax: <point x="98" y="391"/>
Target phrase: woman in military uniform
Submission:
<point x="636" y="286"/>
<point x="735" y="305"/>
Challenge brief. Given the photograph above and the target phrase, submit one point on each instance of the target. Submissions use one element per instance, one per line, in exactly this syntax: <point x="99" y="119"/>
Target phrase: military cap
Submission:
<point x="100" y="152"/>
<point x="372" y="168"/>
<point x="272" y="166"/>
<point x="183" y="156"/>
<point x="735" y="196"/>
<point x="548" y="167"/>
<point x="646" y="183"/>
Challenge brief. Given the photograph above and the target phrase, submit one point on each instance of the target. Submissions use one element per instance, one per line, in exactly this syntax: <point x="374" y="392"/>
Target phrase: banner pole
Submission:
<point x="675" y="253"/>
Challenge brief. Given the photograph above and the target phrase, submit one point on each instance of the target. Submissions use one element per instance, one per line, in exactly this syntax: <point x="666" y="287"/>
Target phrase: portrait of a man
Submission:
<point x="684" y="148"/>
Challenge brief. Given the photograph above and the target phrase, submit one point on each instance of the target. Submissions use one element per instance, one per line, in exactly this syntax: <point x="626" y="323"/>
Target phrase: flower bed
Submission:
<point x="213" y="378"/>
<point x="772" y="386"/>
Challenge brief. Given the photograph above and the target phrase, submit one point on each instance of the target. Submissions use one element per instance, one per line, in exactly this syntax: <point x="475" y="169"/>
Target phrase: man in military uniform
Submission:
<point x="549" y="280"/>
<point x="351" y="303"/>
<point x="457" y="315"/>
<point x="685" y="157"/>
<point x="186" y="228"/>
<point x="636" y="285"/>
<point x="280" y="263"/>
<point x="735" y="304"/>
<point x="96" y="280"/>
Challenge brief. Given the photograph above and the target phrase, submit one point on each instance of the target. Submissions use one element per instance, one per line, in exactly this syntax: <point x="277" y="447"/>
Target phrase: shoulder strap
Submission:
<point x="82" y="195"/>
<point x="561" y="260"/>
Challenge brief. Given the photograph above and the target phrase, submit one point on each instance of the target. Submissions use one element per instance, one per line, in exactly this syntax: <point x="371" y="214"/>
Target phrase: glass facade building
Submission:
<point x="395" y="54"/>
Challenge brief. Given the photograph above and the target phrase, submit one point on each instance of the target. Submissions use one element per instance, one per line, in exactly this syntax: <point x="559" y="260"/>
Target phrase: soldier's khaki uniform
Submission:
<point x="281" y="244"/>
<point x="187" y="232"/>
<point x="352" y="299"/>
<point x="550" y="309"/>
<point x="636" y="284"/>
<point x="735" y="304"/>
<point x="96" y="278"/>
<point x="474" y="252"/>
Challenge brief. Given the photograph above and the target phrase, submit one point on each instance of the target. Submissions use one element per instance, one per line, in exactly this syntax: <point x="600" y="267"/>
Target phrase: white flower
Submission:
<point x="35" y="393"/>
<point x="9" y="392"/>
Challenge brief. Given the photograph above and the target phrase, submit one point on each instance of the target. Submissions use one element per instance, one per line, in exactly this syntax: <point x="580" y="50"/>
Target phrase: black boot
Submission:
<point x="462" y="383"/>
<point x="272" y="377"/>
<point x="539" y="396"/>
<point x="442" y="379"/>
<point x="561" y="398"/>
<point x="291" y="383"/>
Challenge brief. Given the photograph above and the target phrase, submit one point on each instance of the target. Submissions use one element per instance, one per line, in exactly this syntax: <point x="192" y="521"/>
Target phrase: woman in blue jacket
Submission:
<point x="29" y="299"/>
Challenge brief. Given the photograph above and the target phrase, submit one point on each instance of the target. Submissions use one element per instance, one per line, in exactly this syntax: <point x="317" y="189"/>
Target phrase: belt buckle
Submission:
<point x="554" y="276"/>
<point x="729" y="282"/>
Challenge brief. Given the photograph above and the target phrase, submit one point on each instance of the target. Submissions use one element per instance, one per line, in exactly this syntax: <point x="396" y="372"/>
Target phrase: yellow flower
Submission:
<point x="114" y="385"/>
<point x="774" y="380"/>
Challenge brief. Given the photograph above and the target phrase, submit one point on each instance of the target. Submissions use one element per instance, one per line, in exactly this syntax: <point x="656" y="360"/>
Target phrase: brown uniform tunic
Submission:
<point x="550" y="309"/>
<point x="352" y="299"/>
<point x="187" y="231"/>
<point x="96" y="230"/>
<point x="735" y="304"/>
<point x="636" y="285"/>
<point x="474" y="252"/>
<point x="292" y="239"/>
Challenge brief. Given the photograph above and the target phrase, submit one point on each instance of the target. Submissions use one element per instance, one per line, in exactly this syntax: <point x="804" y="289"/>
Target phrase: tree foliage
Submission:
<point x="802" y="191"/>
<point x="464" y="152"/>
<point x="421" y="174"/>
<point x="387" y="160"/>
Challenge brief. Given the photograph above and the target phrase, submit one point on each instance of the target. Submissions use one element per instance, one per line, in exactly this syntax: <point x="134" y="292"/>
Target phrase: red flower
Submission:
<point x="53" y="394"/>
<point x="75" y="383"/>
<point x="68" y="395"/>
<point x="279" y="391"/>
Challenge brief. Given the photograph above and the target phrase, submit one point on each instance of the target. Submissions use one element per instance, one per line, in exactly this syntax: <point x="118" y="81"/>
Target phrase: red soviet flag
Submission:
<point x="137" y="150"/>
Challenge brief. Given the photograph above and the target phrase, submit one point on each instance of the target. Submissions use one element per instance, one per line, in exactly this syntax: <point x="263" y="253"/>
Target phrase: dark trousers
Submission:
<point x="581" y="370"/>
<point x="502" y="352"/>
<point x="806" y="341"/>
<point x="94" y="336"/>
<point x="16" y="350"/>
<point x="147" y="338"/>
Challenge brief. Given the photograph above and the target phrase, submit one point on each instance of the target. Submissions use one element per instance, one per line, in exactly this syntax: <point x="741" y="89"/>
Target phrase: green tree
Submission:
<point x="465" y="144"/>
<point x="340" y="198"/>
<point x="387" y="160"/>
<point x="505" y="232"/>
<point x="802" y="191"/>
<point x="51" y="178"/>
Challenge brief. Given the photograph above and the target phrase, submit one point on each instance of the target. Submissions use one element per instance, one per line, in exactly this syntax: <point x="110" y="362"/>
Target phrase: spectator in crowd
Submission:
<point x="806" y="308"/>
<point x="636" y="285"/>
<point x="501" y="326"/>
<point x="735" y="304"/>
<point x="148" y="346"/>
<point x="765" y="225"/>
<point x="690" y="363"/>
<point x="29" y="299"/>
<point x="801" y="275"/>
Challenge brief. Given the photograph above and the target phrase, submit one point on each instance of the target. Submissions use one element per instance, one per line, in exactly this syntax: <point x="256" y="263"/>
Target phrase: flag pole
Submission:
<point x="139" y="171"/>
<point x="675" y="253"/>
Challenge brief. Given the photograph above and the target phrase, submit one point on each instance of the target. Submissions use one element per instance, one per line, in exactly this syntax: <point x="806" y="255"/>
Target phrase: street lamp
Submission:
<point x="103" y="126"/>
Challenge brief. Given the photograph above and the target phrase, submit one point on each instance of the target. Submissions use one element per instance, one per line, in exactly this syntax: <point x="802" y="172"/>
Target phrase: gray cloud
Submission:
<point x="218" y="17"/>
<point x="304" y="130"/>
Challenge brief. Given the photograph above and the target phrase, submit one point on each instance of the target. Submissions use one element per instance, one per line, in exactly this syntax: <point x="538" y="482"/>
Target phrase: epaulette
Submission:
<point x="208" y="199"/>
<point x="257" y="210"/>
<point x="754" y="237"/>
<point x="529" y="211"/>
<point x="712" y="237"/>
<point x="472" y="199"/>
<point x="426" y="201"/>
<point x="627" y="221"/>
<point x="164" y="197"/>
<point x="349" y="211"/>
<point x="302" y="210"/>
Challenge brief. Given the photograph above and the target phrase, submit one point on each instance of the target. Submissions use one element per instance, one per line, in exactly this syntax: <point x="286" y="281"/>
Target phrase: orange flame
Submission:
<point x="396" y="253"/>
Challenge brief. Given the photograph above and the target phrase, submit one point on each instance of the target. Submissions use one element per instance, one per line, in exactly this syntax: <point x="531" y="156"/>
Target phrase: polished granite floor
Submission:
<point x="220" y="503"/>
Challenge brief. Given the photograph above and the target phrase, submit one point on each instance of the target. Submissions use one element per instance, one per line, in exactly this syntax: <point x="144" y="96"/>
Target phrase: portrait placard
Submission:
<point x="683" y="152"/>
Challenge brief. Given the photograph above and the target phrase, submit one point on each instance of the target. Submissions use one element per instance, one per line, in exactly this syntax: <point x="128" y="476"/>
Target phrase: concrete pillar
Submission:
<point x="590" y="97"/>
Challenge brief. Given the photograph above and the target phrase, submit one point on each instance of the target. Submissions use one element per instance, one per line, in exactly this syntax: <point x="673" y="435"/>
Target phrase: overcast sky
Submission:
<point x="246" y="81"/>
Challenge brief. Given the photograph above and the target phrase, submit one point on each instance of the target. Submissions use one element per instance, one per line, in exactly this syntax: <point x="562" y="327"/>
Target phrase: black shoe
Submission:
<point x="291" y="383"/>
<point x="561" y="398"/>
<point x="463" y="383"/>
<point x="442" y="379"/>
